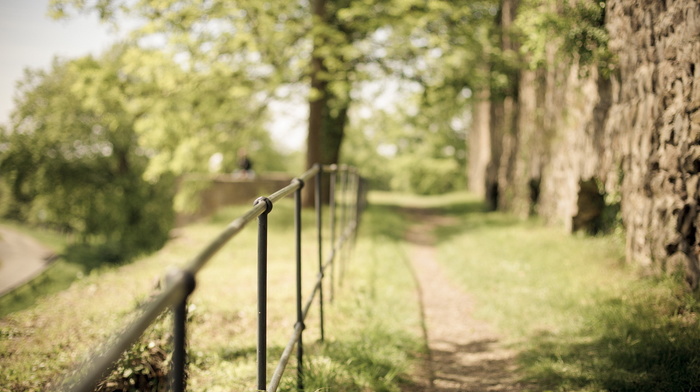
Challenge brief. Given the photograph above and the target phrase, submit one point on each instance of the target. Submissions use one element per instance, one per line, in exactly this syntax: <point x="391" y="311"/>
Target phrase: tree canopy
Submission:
<point x="258" y="48"/>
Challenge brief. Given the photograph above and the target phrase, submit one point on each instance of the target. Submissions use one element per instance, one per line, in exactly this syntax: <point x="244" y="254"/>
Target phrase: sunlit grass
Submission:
<point x="449" y="202"/>
<point x="374" y="324"/>
<point x="581" y="318"/>
<point x="40" y="344"/>
<point x="528" y="277"/>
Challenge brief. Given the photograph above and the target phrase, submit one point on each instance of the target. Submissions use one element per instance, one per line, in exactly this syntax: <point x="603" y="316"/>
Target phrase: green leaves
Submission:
<point x="74" y="162"/>
<point x="575" y="28"/>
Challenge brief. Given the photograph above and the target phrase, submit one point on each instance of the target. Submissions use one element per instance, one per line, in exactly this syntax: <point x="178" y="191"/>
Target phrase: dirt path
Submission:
<point x="464" y="353"/>
<point x="21" y="259"/>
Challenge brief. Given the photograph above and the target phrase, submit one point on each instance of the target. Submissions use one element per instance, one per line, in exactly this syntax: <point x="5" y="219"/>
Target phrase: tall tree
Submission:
<point x="318" y="96"/>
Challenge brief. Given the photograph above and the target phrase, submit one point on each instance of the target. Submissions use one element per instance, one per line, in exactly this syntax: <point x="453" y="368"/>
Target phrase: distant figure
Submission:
<point x="245" y="165"/>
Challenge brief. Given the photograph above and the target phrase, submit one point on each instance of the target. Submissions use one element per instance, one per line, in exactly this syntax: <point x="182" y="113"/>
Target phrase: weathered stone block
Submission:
<point x="691" y="162"/>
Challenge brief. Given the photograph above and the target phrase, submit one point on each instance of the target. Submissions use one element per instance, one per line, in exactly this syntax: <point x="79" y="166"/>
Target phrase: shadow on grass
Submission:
<point x="396" y="214"/>
<point x="645" y="337"/>
<point x="57" y="277"/>
<point x="247" y="353"/>
<point x="637" y="343"/>
<point x="89" y="257"/>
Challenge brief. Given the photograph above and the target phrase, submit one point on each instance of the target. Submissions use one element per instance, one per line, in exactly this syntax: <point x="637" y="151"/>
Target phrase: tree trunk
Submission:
<point x="327" y="113"/>
<point x="479" y="144"/>
<point x="502" y="117"/>
<point x="317" y="103"/>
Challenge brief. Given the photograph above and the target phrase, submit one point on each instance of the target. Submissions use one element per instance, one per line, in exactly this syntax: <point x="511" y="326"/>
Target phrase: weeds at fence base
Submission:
<point x="376" y="363"/>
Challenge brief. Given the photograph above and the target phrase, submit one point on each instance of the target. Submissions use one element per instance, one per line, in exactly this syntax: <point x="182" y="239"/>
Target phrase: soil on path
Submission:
<point x="465" y="354"/>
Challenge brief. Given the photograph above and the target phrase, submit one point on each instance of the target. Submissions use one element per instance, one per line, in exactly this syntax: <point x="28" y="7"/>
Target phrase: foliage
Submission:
<point x="267" y="46"/>
<point x="146" y="365"/>
<point x="406" y="148"/>
<point x="187" y="116"/>
<point x="577" y="26"/>
<point x="435" y="54"/>
<point x="73" y="162"/>
<point x="427" y="176"/>
<point x="224" y="63"/>
<point x="211" y="68"/>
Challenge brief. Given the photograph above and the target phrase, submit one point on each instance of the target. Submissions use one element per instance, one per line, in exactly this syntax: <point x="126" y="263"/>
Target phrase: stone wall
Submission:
<point x="573" y="127"/>
<point x="636" y="135"/>
<point x="655" y="123"/>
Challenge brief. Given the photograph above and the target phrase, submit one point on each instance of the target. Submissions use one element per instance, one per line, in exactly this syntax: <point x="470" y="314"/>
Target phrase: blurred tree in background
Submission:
<point x="95" y="144"/>
<point x="216" y="66"/>
<point x="391" y="86"/>
<point x="73" y="162"/>
<point x="333" y="46"/>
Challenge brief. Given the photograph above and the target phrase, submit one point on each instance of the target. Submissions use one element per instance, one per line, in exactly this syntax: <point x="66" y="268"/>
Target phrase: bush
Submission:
<point x="430" y="176"/>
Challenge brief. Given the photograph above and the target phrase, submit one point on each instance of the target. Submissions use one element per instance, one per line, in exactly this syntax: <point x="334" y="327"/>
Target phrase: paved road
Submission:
<point x="21" y="259"/>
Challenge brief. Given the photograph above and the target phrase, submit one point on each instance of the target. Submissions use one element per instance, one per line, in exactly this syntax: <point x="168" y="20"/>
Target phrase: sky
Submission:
<point x="29" y="38"/>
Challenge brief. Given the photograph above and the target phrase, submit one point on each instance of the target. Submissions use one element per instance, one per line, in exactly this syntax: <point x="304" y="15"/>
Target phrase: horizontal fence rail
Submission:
<point x="346" y="194"/>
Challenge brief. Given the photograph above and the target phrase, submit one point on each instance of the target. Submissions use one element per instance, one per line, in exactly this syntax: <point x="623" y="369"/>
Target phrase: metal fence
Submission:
<point x="346" y="201"/>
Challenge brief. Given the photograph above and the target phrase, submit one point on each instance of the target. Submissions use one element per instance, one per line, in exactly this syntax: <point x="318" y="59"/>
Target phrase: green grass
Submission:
<point x="56" y="278"/>
<point x="375" y="322"/>
<point x="73" y="262"/>
<point x="370" y="340"/>
<point x="581" y="318"/>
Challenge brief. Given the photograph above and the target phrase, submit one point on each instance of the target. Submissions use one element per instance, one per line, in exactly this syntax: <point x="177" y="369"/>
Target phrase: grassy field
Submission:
<point x="372" y="327"/>
<point x="580" y="318"/>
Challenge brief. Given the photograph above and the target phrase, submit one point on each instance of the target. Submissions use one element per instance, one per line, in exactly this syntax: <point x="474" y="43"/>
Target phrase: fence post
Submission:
<point x="343" y="220"/>
<point x="300" y="316"/>
<point x="179" y="361"/>
<point x="331" y="212"/>
<point x="355" y="209"/>
<point x="262" y="292"/>
<point x="319" y="231"/>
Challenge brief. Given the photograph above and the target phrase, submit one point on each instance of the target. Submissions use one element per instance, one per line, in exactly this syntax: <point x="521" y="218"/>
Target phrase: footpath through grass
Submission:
<point x="581" y="318"/>
<point x="372" y="327"/>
